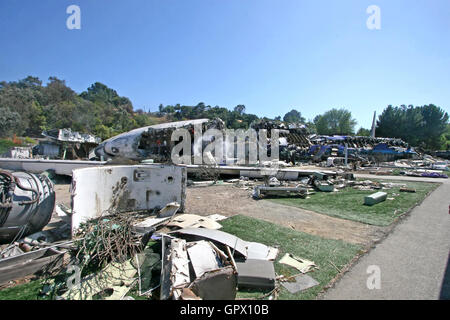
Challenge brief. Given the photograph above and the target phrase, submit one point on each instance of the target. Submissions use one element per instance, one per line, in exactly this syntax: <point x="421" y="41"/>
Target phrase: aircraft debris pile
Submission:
<point x="65" y="144"/>
<point x="152" y="142"/>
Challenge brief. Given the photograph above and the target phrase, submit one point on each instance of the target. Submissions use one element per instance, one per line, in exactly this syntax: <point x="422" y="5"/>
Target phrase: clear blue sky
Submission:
<point x="271" y="55"/>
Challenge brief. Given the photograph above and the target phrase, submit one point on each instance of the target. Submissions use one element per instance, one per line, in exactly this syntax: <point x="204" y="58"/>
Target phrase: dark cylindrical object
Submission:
<point x="27" y="204"/>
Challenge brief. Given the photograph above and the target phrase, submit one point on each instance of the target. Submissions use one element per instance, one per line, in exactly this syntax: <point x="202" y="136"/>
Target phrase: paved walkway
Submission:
<point x="413" y="260"/>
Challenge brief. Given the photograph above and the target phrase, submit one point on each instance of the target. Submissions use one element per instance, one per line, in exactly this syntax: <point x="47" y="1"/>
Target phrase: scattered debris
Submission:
<point x="261" y="191"/>
<point x="149" y="224"/>
<point x="116" y="210"/>
<point x="301" y="264"/>
<point x="323" y="186"/>
<point x="18" y="153"/>
<point x="65" y="144"/>
<point x="217" y="217"/>
<point x="169" y="210"/>
<point x="248" y="250"/>
<point x="20" y="264"/>
<point x="184" y="221"/>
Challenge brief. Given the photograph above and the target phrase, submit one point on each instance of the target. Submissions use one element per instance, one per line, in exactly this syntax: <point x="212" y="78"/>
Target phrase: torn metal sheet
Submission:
<point x="260" y="251"/>
<point x="256" y="274"/>
<point x="302" y="282"/>
<point x="193" y="221"/>
<point x="148" y="224"/>
<point x="203" y="257"/>
<point x="169" y="210"/>
<point x="98" y="191"/>
<point x="63" y="211"/>
<point x="219" y="284"/>
<point x="11" y="251"/>
<point x="175" y="268"/>
<point x="67" y="135"/>
<point x="216" y="236"/>
<point x="166" y="267"/>
<point x="300" y="264"/>
<point x="246" y="249"/>
<point x="56" y="232"/>
<point x="180" y="267"/>
<point x="21" y="265"/>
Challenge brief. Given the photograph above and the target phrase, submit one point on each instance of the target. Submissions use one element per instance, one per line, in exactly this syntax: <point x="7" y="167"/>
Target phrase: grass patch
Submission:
<point x="26" y="291"/>
<point x="348" y="204"/>
<point x="324" y="252"/>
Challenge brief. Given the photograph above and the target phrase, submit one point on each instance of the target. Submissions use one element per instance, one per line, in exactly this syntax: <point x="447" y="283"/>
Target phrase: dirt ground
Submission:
<point x="228" y="200"/>
<point x="62" y="194"/>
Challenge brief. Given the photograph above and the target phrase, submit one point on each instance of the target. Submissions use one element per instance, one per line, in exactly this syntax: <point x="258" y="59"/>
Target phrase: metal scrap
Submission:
<point x="300" y="264"/>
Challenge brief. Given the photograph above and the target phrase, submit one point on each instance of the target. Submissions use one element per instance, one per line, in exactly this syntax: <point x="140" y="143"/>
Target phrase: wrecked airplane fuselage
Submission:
<point x="26" y="204"/>
<point x="152" y="142"/>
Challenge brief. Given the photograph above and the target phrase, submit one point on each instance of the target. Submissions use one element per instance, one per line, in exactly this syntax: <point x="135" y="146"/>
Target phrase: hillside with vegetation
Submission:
<point x="28" y="107"/>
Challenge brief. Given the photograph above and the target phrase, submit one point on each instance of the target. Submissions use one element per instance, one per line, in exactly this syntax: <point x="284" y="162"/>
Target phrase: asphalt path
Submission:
<point x="410" y="263"/>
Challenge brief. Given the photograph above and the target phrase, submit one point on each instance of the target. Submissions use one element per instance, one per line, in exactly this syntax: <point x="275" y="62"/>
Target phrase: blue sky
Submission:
<point x="271" y="55"/>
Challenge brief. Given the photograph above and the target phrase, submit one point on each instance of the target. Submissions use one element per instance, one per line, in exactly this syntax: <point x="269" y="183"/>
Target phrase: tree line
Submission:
<point x="27" y="107"/>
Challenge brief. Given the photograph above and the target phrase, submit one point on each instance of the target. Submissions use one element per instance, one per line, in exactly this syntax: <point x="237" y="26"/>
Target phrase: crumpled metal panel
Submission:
<point x="249" y="250"/>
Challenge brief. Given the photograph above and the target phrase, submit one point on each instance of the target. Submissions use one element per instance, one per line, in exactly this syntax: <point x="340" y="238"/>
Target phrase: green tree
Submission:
<point x="294" y="116"/>
<point x="363" y="132"/>
<point x="335" y="121"/>
<point x="240" y="109"/>
<point x="9" y="121"/>
<point x="419" y="126"/>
